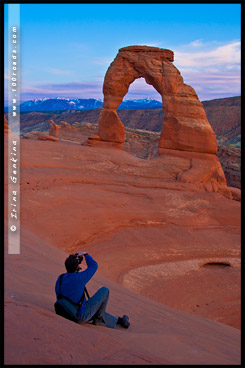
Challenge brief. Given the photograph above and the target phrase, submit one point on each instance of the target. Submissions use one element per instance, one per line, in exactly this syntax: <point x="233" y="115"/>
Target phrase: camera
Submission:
<point x="79" y="258"/>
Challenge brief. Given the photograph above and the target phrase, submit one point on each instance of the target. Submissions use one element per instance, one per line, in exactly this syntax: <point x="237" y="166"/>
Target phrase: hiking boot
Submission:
<point x="123" y="321"/>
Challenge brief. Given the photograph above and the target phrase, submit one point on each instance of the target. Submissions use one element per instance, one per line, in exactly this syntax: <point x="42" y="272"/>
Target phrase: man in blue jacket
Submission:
<point x="72" y="287"/>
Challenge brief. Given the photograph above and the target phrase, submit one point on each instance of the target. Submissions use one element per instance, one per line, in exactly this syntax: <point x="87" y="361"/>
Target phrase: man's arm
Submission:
<point x="91" y="269"/>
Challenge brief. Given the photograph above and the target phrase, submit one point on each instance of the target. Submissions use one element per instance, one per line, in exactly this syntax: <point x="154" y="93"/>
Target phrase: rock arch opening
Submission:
<point x="139" y="89"/>
<point x="141" y="107"/>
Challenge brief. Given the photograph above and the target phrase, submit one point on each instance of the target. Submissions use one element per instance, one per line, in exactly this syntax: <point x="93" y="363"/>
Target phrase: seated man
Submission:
<point x="73" y="285"/>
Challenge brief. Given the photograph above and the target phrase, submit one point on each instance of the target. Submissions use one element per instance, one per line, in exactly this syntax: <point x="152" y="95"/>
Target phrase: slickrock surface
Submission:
<point x="160" y="243"/>
<point x="158" y="334"/>
<point x="144" y="144"/>
<point x="202" y="167"/>
<point x="75" y="196"/>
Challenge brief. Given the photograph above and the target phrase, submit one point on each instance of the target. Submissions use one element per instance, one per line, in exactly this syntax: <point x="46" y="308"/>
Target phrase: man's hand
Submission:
<point x="82" y="253"/>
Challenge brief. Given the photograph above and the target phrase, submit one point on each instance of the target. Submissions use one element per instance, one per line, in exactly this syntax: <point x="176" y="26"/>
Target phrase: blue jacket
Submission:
<point x="73" y="283"/>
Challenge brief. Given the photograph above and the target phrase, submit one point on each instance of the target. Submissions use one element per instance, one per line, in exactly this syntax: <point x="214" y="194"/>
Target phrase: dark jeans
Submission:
<point x="96" y="309"/>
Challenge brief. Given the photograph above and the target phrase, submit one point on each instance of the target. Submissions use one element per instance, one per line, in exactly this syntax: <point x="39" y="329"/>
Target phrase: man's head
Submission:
<point x="71" y="263"/>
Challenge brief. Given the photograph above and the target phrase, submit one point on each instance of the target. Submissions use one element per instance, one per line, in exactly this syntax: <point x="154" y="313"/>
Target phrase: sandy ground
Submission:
<point x="159" y="244"/>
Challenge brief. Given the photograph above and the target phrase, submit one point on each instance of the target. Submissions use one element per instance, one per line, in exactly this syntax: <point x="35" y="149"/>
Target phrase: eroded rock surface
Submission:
<point x="224" y="115"/>
<point x="200" y="168"/>
<point x="230" y="158"/>
<point x="120" y="207"/>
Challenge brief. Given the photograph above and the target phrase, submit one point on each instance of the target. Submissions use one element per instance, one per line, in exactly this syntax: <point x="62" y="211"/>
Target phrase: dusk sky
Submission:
<point x="67" y="48"/>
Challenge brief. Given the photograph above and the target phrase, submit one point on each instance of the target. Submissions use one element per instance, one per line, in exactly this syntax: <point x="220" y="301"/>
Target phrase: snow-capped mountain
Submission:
<point x="59" y="103"/>
<point x="145" y="103"/>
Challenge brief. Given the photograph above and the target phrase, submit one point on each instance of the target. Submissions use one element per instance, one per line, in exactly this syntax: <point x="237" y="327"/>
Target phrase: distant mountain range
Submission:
<point x="61" y="104"/>
<point x="223" y="114"/>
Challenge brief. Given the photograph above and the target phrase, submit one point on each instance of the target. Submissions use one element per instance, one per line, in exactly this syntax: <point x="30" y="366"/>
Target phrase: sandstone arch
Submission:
<point x="185" y="125"/>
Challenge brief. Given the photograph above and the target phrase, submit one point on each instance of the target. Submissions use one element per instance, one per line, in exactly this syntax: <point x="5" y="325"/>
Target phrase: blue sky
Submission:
<point x="67" y="48"/>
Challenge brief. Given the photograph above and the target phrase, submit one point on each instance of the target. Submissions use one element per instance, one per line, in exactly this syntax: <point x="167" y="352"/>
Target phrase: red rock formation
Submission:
<point x="95" y="140"/>
<point x="54" y="129"/>
<point x="115" y="130"/>
<point x="236" y="193"/>
<point x="76" y="132"/>
<point x="185" y="123"/>
<point x="32" y="135"/>
<point x="196" y="167"/>
<point x="40" y="136"/>
<point x="199" y="168"/>
<point x="186" y="131"/>
<point x="46" y="137"/>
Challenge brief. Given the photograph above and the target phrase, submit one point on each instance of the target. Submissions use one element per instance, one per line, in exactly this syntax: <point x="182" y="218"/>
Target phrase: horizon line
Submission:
<point x="99" y="99"/>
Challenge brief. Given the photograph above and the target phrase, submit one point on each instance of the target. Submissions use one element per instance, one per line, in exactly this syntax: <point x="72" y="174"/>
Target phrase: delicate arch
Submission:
<point x="185" y="125"/>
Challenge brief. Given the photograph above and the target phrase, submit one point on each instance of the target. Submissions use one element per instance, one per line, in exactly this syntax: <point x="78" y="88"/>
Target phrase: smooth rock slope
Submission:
<point x="137" y="220"/>
<point x="157" y="335"/>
